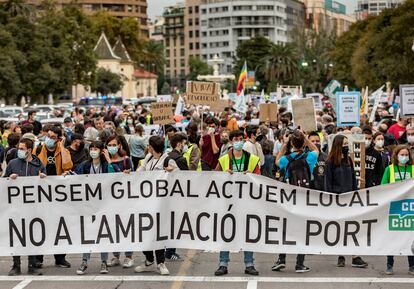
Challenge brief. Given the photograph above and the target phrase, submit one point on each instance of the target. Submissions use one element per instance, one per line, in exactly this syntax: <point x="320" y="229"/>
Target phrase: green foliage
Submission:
<point x="198" y="67"/>
<point x="107" y="82"/>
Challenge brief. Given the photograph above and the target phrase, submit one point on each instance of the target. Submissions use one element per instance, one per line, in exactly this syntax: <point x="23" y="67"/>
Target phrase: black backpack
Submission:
<point x="298" y="171"/>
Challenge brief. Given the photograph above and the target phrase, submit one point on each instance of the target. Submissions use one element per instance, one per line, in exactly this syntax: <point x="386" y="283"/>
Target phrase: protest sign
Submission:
<point x="200" y="210"/>
<point x="377" y="95"/>
<point x="358" y="158"/>
<point x="348" y="108"/>
<point x="162" y="113"/>
<point x="199" y="92"/>
<point x="407" y="100"/>
<point x="304" y="114"/>
<point x="219" y="105"/>
<point x="164" y="98"/>
<point x="268" y="112"/>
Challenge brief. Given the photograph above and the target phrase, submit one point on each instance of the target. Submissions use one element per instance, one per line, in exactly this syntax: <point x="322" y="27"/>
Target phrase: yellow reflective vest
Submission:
<point x="225" y="162"/>
<point x="187" y="156"/>
<point x="392" y="173"/>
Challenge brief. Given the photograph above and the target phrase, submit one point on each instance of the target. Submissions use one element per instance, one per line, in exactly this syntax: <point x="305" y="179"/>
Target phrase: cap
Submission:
<point x="67" y="119"/>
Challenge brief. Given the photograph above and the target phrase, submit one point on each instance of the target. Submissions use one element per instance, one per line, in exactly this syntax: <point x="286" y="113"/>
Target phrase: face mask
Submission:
<point x="21" y="154"/>
<point x="345" y="150"/>
<point x="367" y="143"/>
<point x="50" y="143"/>
<point x="112" y="150"/>
<point x="238" y="145"/>
<point x="224" y="140"/>
<point x="410" y="138"/>
<point x="94" y="154"/>
<point x="318" y="146"/>
<point x="130" y="121"/>
<point x="185" y="149"/>
<point x="403" y="159"/>
<point x="379" y="143"/>
<point x="36" y="144"/>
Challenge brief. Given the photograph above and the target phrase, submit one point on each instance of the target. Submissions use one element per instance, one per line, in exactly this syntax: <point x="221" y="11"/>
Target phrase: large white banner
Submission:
<point x="208" y="210"/>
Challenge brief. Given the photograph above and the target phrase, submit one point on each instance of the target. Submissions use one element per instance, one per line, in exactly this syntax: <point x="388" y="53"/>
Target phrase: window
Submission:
<point x="191" y="46"/>
<point x="190" y="22"/>
<point x="190" y="10"/>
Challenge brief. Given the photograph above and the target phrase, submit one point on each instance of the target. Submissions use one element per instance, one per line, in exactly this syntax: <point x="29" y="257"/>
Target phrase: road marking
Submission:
<point x="252" y="285"/>
<point x="23" y="284"/>
<point x="158" y="278"/>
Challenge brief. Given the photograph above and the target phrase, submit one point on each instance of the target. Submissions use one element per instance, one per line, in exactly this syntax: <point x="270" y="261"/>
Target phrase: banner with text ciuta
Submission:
<point x="209" y="210"/>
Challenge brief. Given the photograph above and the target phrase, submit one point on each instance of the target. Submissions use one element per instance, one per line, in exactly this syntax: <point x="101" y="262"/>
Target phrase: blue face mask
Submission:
<point x="112" y="150"/>
<point x="50" y="143"/>
<point x="403" y="159"/>
<point x="22" y="154"/>
<point x="238" y="145"/>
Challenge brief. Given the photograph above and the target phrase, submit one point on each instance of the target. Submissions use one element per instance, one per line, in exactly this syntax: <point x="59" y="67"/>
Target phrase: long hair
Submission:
<point x="99" y="145"/>
<point x="121" y="152"/>
<point x="335" y="155"/>
<point x="394" y="159"/>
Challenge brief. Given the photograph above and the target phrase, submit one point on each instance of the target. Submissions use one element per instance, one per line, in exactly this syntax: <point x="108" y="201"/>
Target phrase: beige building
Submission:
<point x="192" y="29"/>
<point x="328" y="15"/>
<point x="116" y="59"/>
<point x="136" y="9"/>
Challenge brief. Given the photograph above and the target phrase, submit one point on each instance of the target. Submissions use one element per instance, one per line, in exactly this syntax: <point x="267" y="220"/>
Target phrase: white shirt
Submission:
<point x="152" y="164"/>
<point x="254" y="149"/>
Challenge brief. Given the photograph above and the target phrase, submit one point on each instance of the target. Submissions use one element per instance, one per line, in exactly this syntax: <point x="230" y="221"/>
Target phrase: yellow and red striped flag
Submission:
<point x="241" y="84"/>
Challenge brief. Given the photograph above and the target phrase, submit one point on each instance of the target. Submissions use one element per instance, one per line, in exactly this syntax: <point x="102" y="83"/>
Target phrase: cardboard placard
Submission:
<point x="199" y="92"/>
<point x="268" y="112"/>
<point x="348" y="108"/>
<point x="407" y="99"/>
<point x="303" y="111"/>
<point x="219" y="105"/>
<point x="162" y="113"/>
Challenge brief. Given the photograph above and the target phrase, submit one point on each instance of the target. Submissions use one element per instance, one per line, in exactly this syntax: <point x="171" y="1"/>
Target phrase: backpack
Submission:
<point x="298" y="171"/>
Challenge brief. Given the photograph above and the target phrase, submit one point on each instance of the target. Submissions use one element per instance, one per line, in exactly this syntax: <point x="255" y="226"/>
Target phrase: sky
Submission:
<point x="155" y="7"/>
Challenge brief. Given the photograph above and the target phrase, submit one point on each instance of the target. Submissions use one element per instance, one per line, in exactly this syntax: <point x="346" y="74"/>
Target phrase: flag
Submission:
<point x="364" y="105"/>
<point x="241" y="84"/>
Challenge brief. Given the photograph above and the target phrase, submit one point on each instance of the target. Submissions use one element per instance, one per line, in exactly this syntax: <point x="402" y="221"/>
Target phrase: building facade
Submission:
<point x="224" y="24"/>
<point x="136" y="9"/>
<point x="374" y="7"/>
<point x="328" y="15"/>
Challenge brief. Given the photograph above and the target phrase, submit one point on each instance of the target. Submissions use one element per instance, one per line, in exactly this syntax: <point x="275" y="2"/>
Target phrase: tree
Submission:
<point x="198" y="67"/>
<point x="107" y="82"/>
<point x="254" y="52"/>
<point x="282" y="65"/>
<point x="154" y="56"/>
<point x="166" y="89"/>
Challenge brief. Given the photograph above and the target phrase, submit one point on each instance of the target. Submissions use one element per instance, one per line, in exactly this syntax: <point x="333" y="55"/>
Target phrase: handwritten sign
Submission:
<point x="199" y="92"/>
<point x="162" y="113"/>
<point x="268" y="112"/>
<point x="348" y="108"/>
<point x="407" y="99"/>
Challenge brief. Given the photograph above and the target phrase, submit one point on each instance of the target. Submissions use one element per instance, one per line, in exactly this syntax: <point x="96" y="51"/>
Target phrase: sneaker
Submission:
<point x="32" y="270"/>
<point x="279" y="265"/>
<point x="222" y="270"/>
<point x="104" y="268"/>
<point x="411" y="270"/>
<point x="302" y="269"/>
<point x="359" y="263"/>
<point x="389" y="270"/>
<point x="15" y="270"/>
<point x="251" y="271"/>
<point x="162" y="269"/>
<point x="341" y="261"/>
<point x="114" y="262"/>
<point x="173" y="257"/>
<point x="128" y="263"/>
<point x="145" y="267"/>
<point x="82" y="268"/>
<point x="62" y="264"/>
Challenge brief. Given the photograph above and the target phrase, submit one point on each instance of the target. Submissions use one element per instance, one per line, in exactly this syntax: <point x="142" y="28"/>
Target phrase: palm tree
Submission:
<point x="154" y="56"/>
<point x="282" y="64"/>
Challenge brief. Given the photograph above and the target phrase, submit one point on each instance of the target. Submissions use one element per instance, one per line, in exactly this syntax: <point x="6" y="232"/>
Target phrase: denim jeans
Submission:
<point x="225" y="258"/>
<point x="87" y="256"/>
<point x="127" y="254"/>
<point x="390" y="261"/>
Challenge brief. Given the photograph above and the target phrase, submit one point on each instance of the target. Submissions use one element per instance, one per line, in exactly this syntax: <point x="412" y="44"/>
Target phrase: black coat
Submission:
<point x="340" y="179"/>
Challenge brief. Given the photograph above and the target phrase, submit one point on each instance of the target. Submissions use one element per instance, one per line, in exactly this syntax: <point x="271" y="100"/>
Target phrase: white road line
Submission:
<point x="23" y="284"/>
<point x="149" y="278"/>
<point x="252" y="285"/>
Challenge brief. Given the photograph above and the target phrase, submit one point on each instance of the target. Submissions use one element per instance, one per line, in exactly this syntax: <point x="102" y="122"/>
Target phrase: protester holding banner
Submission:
<point x="297" y="168"/>
<point x="400" y="169"/>
<point x="340" y="178"/>
<point x="26" y="164"/>
<point x="237" y="160"/>
<point x="57" y="160"/>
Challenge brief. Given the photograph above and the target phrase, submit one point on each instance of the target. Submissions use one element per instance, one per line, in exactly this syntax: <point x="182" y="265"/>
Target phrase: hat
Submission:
<point x="30" y="136"/>
<point x="91" y="134"/>
<point x="67" y="119"/>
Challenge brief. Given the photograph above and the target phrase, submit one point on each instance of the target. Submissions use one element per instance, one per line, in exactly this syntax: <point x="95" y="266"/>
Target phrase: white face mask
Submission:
<point x="379" y="143"/>
<point x="410" y="138"/>
<point x="185" y="149"/>
<point x="367" y="143"/>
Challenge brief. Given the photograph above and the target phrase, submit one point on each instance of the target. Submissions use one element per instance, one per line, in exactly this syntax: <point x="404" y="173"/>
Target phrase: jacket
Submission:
<point x="340" y="179"/>
<point x="63" y="158"/>
<point x="373" y="167"/>
<point x="85" y="168"/>
<point x="25" y="169"/>
<point x="179" y="160"/>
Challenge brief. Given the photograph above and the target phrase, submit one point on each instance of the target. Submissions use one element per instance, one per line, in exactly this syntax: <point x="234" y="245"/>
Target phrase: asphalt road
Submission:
<point x="197" y="272"/>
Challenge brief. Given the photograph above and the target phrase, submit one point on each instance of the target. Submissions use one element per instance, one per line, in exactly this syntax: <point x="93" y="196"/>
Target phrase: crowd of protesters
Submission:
<point x="114" y="140"/>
